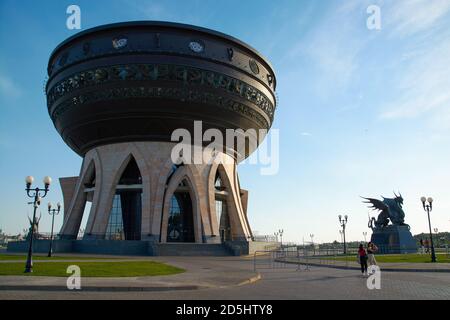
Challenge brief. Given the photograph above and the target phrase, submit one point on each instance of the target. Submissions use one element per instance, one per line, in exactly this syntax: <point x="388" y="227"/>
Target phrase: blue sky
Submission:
<point x="361" y="112"/>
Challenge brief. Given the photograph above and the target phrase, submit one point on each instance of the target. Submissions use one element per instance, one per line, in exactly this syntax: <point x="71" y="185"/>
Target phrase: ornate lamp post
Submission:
<point x="343" y="222"/>
<point x="37" y="194"/>
<point x="52" y="212"/>
<point x="312" y="242"/>
<point x="428" y="206"/>
<point x="365" y="234"/>
<point x="280" y="232"/>
<point x="436" y="230"/>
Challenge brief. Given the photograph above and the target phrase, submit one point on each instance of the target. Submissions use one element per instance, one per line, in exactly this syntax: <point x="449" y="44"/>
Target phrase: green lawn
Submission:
<point x="44" y="257"/>
<point x="412" y="258"/>
<point x="93" y="269"/>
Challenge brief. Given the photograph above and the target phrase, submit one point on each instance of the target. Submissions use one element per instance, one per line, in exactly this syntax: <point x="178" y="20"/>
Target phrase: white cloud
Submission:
<point x="8" y="88"/>
<point x="424" y="86"/>
<point x="334" y="46"/>
<point x="405" y="18"/>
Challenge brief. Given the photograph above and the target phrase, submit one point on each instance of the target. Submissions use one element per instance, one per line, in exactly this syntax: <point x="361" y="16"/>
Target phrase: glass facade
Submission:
<point x="125" y="217"/>
<point x="221" y="211"/>
<point x="223" y="220"/>
<point x="180" y="226"/>
<point x="115" y="224"/>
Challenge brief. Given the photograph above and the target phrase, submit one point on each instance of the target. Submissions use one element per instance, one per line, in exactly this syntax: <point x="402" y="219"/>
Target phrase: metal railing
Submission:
<point x="279" y="259"/>
<point x="265" y="238"/>
<point x="307" y="256"/>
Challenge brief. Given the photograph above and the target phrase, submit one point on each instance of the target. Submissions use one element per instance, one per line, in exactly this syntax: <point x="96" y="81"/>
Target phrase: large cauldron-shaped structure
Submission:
<point x="117" y="92"/>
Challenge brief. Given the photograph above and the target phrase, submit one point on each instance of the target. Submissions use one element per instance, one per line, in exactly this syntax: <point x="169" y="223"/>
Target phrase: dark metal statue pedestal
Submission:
<point x="394" y="239"/>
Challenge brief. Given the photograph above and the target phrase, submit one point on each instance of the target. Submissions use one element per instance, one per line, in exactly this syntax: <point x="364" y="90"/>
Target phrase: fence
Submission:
<point x="265" y="238"/>
<point x="303" y="257"/>
<point x="276" y="259"/>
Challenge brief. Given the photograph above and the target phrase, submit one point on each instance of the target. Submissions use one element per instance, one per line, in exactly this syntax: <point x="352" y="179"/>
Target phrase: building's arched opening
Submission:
<point x="126" y="212"/>
<point x="180" y="227"/>
<point x="223" y="219"/>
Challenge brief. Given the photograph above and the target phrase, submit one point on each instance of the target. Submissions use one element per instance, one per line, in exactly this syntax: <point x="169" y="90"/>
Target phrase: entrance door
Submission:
<point x="180" y="226"/>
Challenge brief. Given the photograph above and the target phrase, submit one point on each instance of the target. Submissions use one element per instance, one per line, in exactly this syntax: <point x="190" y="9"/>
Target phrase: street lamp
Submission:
<point x="436" y="230"/>
<point x="343" y="222"/>
<point x="428" y="206"/>
<point x="280" y="232"/>
<point x="37" y="195"/>
<point x="52" y="212"/>
<point x="365" y="234"/>
<point x="312" y="241"/>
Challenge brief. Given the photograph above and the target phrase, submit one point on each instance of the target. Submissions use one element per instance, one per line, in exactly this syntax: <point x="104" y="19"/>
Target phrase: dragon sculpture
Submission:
<point x="35" y="227"/>
<point x="391" y="210"/>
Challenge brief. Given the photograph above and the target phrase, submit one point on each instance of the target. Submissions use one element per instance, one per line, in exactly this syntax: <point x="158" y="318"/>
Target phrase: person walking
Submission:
<point x="371" y="249"/>
<point x="362" y="257"/>
<point x="422" y="247"/>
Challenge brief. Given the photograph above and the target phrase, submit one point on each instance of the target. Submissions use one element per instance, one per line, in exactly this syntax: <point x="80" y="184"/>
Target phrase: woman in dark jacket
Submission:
<point x="362" y="255"/>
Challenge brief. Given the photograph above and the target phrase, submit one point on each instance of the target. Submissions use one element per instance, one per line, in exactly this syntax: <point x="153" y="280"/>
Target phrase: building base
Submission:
<point x="138" y="192"/>
<point x="140" y="248"/>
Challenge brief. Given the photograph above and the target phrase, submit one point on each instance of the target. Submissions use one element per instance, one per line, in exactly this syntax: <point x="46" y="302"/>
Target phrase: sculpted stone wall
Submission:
<point x="107" y="163"/>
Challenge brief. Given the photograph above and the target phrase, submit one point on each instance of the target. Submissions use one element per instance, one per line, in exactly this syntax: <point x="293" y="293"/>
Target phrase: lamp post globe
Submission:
<point x="47" y="181"/>
<point x="29" y="180"/>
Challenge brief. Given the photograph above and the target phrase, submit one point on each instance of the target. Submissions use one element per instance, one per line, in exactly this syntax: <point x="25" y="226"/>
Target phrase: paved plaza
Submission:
<point x="234" y="278"/>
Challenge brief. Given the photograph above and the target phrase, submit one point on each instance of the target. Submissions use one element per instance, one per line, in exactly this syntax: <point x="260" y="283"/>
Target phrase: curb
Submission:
<point x="356" y="268"/>
<point x="250" y="280"/>
<point x="99" y="289"/>
<point x="118" y="289"/>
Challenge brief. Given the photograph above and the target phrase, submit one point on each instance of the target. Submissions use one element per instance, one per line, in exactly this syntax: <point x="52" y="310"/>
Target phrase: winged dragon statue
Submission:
<point x="35" y="226"/>
<point x="391" y="210"/>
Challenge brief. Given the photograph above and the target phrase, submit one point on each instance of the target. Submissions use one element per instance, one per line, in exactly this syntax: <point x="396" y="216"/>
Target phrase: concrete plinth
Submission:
<point x="394" y="239"/>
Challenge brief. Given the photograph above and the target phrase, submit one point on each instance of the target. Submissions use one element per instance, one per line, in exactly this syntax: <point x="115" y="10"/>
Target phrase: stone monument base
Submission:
<point x="394" y="239"/>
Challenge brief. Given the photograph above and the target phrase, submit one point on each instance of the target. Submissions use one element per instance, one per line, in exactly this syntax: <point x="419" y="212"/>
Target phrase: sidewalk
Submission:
<point x="353" y="265"/>
<point x="201" y="273"/>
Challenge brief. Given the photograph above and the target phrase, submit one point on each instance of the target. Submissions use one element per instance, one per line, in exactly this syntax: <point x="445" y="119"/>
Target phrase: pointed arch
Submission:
<point x="180" y="225"/>
<point x="234" y="224"/>
<point x="165" y="171"/>
<point x="124" y="220"/>
<point x="88" y="184"/>
<point x="183" y="176"/>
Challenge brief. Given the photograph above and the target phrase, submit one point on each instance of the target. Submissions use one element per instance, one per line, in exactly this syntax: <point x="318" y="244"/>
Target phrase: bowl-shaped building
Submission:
<point x="116" y="94"/>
